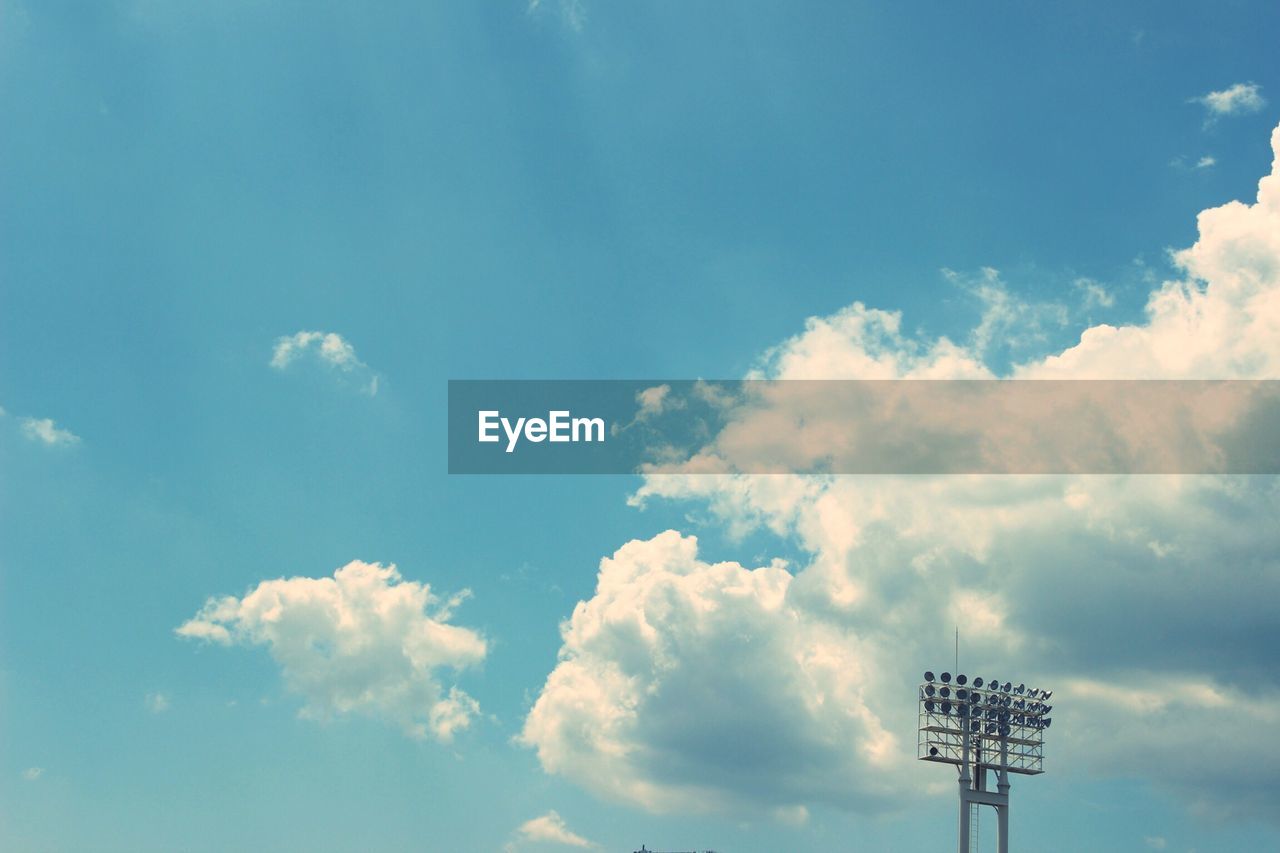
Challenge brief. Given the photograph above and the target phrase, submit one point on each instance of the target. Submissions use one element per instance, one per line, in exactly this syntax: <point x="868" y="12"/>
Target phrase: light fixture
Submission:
<point x="983" y="727"/>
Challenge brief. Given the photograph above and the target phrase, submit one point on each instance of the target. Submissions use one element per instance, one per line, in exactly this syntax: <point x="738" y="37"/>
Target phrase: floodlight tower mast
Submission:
<point x="997" y="729"/>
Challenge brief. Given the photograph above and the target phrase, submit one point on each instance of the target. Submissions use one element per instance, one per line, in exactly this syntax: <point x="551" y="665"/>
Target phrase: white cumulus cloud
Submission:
<point x="329" y="349"/>
<point x="686" y="684"/>
<point x="1146" y="603"/>
<point x="362" y="641"/>
<point x="549" y="828"/>
<point x="1220" y="320"/>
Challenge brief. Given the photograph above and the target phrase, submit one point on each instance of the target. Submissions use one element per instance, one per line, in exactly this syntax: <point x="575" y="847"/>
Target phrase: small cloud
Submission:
<point x="363" y="640"/>
<point x="549" y="829"/>
<point x="31" y="774"/>
<point x="157" y="703"/>
<point x="1008" y="321"/>
<point x="1155" y="842"/>
<point x="655" y="400"/>
<point x="652" y="402"/>
<point x="573" y="13"/>
<point x="1183" y="164"/>
<point x="329" y="349"/>
<point x="1234" y="100"/>
<point x="791" y="815"/>
<point x="44" y="430"/>
<point x="1095" y="295"/>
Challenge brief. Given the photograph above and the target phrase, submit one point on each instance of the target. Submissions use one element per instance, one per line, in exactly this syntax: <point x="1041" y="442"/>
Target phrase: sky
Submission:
<point x="244" y="246"/>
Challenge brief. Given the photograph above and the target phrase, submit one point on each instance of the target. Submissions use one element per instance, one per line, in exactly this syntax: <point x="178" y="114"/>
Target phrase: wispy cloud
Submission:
<point x="1236" y="99"/>
<point x="1095" y="295"/>
<point x="329" y="349"/>
<point x="31" y="774"/>
<point x="45" y="431"/>
<point x="1183" y="163"/>
<point x="1008" y="321"/>
<point x="573" y="13"/>
<point x="156" y="703"/>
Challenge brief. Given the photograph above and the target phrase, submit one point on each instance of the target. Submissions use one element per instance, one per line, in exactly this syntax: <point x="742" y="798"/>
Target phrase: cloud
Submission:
<point x="31" y="774"/>
<point x="1008" y="322"/>
<point x="791" y="815"/>
<point x="1155" y="842"/>
<point x="362" y="641"/>
<point x="156" y="703"/>
<point x="1236" y="99"/>
<point x="329" y="349"/>
<point x="1220" y="320"/>
<point x="1206" y="161"/>
<point x="45" y="431"/>
<point x="1146" y="603"/>
<point x="573" y="13"/>
<point x="866" y="343"/>
<point x="550" y="828"/>
<point x="650" y="403"/>
<point x="685" y="684"/>
<point x="656" y="400"/>
<point x="1095" y="295"/>
<point x="1044" y="576"/>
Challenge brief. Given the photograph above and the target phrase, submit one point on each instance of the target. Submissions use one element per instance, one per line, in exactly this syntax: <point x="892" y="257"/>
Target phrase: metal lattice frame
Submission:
<point x="989" y="717"/>
<point x="982" y="727"/>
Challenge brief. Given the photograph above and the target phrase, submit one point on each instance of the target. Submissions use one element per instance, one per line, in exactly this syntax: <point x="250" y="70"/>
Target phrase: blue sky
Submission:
<point x="578" y="190"/>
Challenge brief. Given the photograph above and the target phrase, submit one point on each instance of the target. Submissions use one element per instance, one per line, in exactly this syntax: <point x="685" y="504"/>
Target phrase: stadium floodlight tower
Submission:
<point x="979" y="727"/>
